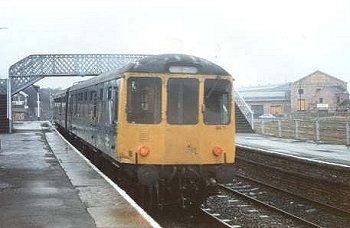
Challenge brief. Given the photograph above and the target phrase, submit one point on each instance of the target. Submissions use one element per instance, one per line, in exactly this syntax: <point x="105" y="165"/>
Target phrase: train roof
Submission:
<point x="160" y="64"/>
<point x="60" y="93"/>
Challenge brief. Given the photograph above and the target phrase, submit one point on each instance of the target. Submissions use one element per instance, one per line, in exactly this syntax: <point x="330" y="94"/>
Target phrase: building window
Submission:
<point x="300" y="91"/>
<point x="321" y="100"/>
<point x="301" y="104"/>
<point x="318" y="90"/>
<point x="276" y="109"/>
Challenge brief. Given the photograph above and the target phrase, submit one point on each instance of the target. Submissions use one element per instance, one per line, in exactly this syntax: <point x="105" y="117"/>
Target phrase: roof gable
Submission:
<point x="318" y="72"/>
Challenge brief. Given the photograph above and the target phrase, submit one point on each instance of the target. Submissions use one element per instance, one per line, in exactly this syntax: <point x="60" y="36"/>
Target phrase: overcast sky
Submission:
<point x="258" y="42"/>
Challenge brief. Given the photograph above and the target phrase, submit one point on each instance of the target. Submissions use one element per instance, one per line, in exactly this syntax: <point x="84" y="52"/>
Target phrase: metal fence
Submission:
<point x="320" y="131"/>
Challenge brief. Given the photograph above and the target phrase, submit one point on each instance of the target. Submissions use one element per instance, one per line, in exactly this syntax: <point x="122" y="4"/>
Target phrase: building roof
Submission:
<point x="276" y="92"/>
<point x="23" y="94"/>
<point x="320" y="72"/>
<point x="268" y="87"/>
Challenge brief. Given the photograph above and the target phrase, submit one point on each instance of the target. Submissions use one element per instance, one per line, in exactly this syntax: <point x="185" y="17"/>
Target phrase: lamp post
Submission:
<point x="300" y="91"/>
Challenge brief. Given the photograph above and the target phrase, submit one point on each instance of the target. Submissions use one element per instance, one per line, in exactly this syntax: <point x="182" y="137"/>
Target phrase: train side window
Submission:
<point x="217" y="101"/>
<point x="182" y="101"/>
<point x="101" y="94"/>
<point x="91" y="95"/>
<point x="144" y="100"/>
<point x="109" y="93"/>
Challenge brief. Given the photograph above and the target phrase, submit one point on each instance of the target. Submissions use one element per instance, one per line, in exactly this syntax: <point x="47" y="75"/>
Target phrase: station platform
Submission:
<point x="44" y="182"/>
<point x="338" y="155"/>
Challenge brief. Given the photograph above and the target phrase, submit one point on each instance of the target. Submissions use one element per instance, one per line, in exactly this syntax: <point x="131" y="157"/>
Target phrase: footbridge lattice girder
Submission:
<point x="35" y="67"/>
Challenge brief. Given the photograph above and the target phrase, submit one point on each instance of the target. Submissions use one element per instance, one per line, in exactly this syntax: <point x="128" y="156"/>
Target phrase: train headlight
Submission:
<point x="217" y="151"/>
<point x="143" y="151"/>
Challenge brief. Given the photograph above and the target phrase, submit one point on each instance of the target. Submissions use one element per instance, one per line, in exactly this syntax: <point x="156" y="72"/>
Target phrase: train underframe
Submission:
<point x="184" y="185"/>
<point x="158" y="186"/>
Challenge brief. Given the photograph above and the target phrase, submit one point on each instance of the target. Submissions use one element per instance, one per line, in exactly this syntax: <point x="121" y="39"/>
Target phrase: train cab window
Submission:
<point x="217" y="101"/>
<point x="182" y="101"/>
<point x="144" y="100"/>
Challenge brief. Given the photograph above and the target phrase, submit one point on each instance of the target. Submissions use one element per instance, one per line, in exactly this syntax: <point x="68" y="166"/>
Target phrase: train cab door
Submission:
<point x="112" y="116"/>
<point x="93" y="123"/>
<point x="70" y="111"/>
<point x="182" y="137"/>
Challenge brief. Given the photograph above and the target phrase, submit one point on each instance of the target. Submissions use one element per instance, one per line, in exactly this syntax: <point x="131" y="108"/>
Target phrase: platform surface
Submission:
<point x="45" y="183"/>
<point x="327" y="153"/>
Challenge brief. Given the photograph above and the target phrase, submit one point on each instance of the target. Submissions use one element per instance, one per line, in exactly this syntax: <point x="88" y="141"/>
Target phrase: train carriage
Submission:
<point x="167" y="121"/>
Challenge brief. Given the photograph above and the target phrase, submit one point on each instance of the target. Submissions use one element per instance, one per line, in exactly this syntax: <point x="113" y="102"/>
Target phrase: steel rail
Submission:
<point x="283" y="190"/>
<point x="270" y="206"/>
<point x="215" y="218"/>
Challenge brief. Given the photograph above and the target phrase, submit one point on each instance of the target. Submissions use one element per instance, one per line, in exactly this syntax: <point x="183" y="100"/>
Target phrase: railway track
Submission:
<point x="253" y="204"/>
<point x="322" y="183"/>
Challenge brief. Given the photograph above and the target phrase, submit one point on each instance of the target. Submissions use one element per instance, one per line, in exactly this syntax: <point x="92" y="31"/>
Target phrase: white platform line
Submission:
<point x="293" y="156"/>
<point x="152" y="222"/>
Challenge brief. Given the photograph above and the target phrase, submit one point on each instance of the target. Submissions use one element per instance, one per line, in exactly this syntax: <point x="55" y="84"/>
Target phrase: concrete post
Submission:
<point x="317" y="131"/>
<point x="296" y="129"/>
<point x="263" y="127"/>
<point x="279" y="129"/>
<point x="347" y="133"/>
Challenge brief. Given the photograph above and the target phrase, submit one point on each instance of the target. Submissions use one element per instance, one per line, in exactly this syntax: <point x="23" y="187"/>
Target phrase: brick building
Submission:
<point x="20" y="106"/>
<point x="314" y="93"/>
<point x="319" y="92"/>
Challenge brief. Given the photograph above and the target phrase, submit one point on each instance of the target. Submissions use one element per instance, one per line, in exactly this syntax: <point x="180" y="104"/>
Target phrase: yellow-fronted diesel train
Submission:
<point x="167" y="121"/>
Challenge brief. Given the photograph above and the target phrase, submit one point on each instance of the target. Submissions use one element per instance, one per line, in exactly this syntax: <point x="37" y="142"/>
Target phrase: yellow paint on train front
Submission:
<point x="174" y="144"/>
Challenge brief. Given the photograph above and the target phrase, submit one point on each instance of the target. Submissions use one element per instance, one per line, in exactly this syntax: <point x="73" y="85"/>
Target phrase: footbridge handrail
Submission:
<point x="245" y="108"/>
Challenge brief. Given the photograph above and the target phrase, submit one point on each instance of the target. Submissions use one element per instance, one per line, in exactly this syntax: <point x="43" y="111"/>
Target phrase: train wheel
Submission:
<point x="149" y="196"/>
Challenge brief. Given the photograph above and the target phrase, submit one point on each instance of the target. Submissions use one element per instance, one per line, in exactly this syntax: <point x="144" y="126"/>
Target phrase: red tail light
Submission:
<point x="217" y="151"/>
<point x="143" y="151"/>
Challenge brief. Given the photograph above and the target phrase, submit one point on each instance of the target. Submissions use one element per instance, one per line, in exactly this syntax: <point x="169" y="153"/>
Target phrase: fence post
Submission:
<point x="296" y="129"/>
<point x="263" y="127"/>
<point x="279" y="129"/>
<point x="317" y="130"/>
<point x="347" y="133"/>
